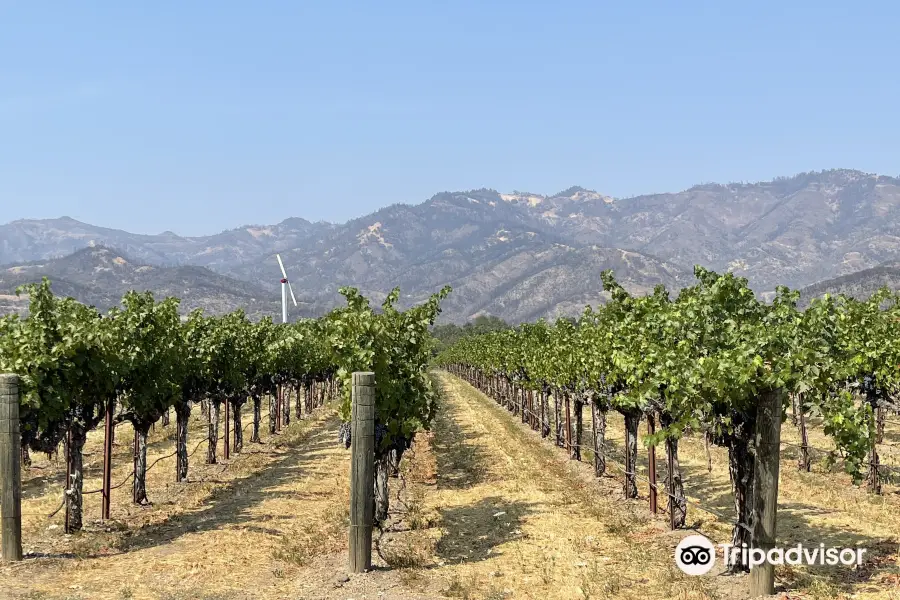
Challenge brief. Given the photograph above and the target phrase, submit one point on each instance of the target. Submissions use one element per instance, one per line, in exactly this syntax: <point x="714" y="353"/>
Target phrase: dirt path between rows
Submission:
<point x="819" y="507"/>
<point x="495" y="513"/>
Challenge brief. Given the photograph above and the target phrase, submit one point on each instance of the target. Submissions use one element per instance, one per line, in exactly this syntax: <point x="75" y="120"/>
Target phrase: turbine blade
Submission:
<point x="291" y="290"/>
<point x="281" y="264"/>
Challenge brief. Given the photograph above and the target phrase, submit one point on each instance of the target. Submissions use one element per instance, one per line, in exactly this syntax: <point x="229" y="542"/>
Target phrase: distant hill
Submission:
<point x="524" y="255"/>
<point x="100" y="276"/>
<point x="860" y="285"/>
<point x="27" y="240"/>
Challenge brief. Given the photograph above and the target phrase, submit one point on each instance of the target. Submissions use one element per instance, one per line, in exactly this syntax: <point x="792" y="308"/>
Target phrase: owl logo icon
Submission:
<point x="695" y="555"/>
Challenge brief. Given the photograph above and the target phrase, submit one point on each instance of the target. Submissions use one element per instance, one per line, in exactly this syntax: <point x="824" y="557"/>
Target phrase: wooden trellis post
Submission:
<point x="10" y="469"/>
<point x="765" y="489"/>
<point x="362" y="471"/>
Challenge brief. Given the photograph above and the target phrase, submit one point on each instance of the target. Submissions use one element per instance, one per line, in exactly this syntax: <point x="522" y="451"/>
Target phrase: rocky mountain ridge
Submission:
<point x="524" y="255"/>
<point x="100" y="276"/>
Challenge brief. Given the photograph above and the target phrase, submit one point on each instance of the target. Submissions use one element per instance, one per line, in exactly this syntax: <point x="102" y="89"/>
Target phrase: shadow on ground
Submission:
<point x="460" y="463"/>
<point x="800" y="523"/>
<point x="474" y="531"/>
<point x="229" y="507"/>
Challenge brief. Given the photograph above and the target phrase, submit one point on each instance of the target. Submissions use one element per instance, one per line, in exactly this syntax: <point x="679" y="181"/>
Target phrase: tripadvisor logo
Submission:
<point x="696" y="555"/>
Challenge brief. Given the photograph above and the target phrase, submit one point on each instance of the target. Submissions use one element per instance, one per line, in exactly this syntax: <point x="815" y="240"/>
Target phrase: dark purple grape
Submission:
<point x="344" y="435"/>
<point x="380" y="432"/>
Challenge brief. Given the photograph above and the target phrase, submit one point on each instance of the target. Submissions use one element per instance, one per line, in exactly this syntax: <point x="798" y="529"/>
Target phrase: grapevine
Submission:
<point x="141" y="359"/>
<point x="700" y="362"/>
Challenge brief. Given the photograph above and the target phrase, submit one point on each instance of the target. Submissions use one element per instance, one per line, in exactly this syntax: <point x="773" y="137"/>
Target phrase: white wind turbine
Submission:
<point x="285" y="286"/>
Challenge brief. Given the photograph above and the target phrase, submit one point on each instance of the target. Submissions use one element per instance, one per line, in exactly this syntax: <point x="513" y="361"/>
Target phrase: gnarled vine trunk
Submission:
<point x="632" y="422"/>
<point x="741" y="468"/>
<point x="545" y="413"/>
<point x="238" y="435"/>
<point x="394" y="462"/>
<point x="803" y="463"/>
<point x="298" y="412"/>
<point x="139" y="485"/>
<point x="874" y="399"/>
<point x="273" y="413"/>
<point x="874" y="477"/>
<point x="213" y="432"/>
<point x="286" y="405"/>
<point x="674" y="484"/>
<point x="257" y="411"/>
<point x="165" y="418"/>
<point x="182" y="414"/>
<point x="396" y="456"/>
<point x="575" y="452"/>
<point x="557" y="407"/>
<point x="382" y="497"/>
<point x="75" y="469"/>
<point x="26" y="456"/>
<point x="523" y="403"/>
<point x="598" y="419"/>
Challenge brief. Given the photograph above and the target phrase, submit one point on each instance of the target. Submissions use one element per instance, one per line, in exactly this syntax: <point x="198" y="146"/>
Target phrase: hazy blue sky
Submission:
<point x="200" y="116"/>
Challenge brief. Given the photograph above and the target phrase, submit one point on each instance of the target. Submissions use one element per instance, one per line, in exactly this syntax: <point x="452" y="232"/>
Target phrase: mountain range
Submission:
<point x="516" y="255"/>
<point x="100" y="276"/>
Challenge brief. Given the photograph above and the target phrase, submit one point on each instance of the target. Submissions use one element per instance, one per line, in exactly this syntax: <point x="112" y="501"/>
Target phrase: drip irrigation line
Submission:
<point x="130" y="475"/>
<point x="153" y="464"/>
<point x="808" y="447"/>
<point x="516" y="410"/>
<point x="58" y="508"/>
<point x="880" y="465"/>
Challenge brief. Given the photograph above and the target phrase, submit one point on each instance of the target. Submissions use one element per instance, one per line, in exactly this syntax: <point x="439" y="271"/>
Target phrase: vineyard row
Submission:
<point x="715" y="361"/>
<point x="78" y="368"/>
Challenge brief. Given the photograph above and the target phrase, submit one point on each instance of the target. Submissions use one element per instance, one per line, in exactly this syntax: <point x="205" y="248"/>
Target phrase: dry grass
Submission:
<point x="485" y="509"/>
<point x="314" y="536"/>
<point x="516" y="521"/>
<point x="823" y="506"/>
<point x="202" y="539"/>
<point x="413" y="550"/>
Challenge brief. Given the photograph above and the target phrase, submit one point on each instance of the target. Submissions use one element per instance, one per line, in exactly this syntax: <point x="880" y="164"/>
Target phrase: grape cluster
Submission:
<point x="870" y="388"/>
<point x="380" y="432"/>
<point x="402" y="444"/>
<point x="868" y="384"/>
<point x="344" y="435"/>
